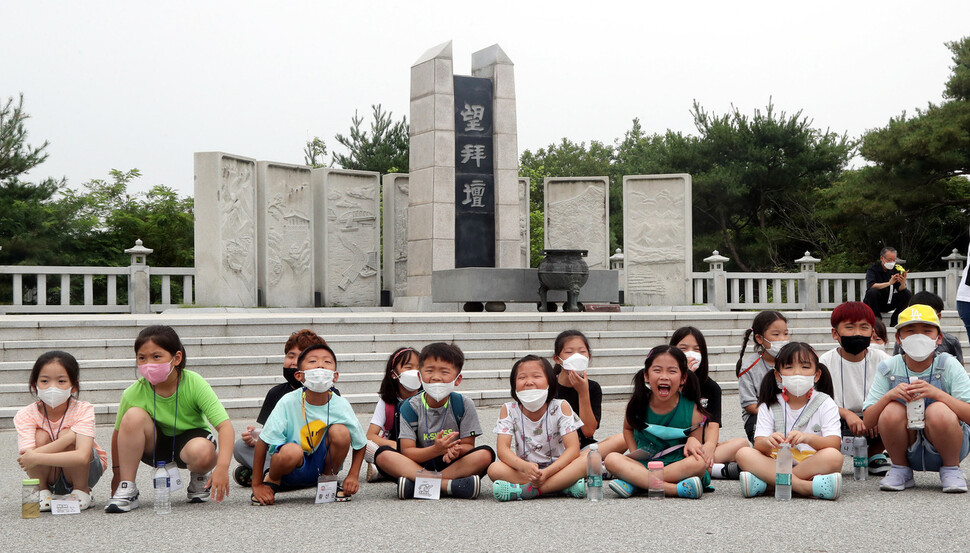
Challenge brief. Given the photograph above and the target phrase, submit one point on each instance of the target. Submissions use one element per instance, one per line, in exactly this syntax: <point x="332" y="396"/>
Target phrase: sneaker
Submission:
<point x="577" y="490"/>
<point x="898" y="479"/>
<point x="506" y="491"/>
<point x="622" y="488"/>
<point x="84" y="499"/>
<point x="878" y="464"/>
<point x="405" y="488"/>
<point x="125" y="498"/>
<point x="731" y="471"/>
<point x="827" y="486"/>
<point x="691" y="488"/>
<point x="751" y="485"/>
<point x="196" y="491"/>
<point x="45" y="497"/>
<point x="953" y="480"/>
<point x="243" y="476"/>
<point x="467" y="487"/>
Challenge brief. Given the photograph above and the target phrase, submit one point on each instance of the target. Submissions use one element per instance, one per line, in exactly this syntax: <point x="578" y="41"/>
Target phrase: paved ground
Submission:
<point x="863" y="519"/>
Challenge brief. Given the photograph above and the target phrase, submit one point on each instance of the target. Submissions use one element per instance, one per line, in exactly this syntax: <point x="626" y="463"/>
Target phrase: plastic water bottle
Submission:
<point x="915" y="410"/>
<point x="655" y="489"/>
<point x="860" y="458"/>
<point x="594" y="474"/>
<point x="163" y="490"/>
<point x="783" y="473"/>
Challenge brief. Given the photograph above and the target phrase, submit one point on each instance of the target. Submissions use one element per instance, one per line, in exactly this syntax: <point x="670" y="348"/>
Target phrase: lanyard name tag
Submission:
<point x="848" y="446"/>
<point x="326" y="488"/>
<point x="65" y="507"/>
<point x="174" y="478"/>
<point x="427" y="485"/>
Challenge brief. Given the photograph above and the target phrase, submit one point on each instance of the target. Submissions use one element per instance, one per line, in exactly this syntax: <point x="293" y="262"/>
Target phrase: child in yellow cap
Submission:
<point x="939" y="381"/>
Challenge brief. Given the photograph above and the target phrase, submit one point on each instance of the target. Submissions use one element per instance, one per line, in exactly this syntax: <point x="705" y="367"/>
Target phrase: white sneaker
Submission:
<point x="84" y="499"/>
<point x="953" y="480"/>
<point x="195" y="492"/>
<point x="897" y="479"/>
<point x="44" y="498"/>
<point x="125" y="498"/>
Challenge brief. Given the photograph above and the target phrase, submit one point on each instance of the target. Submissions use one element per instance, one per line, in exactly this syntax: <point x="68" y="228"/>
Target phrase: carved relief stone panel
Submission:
<point x="286" y="235"/>
<point x="395" y="222"/>
<point x="577" y="217"/>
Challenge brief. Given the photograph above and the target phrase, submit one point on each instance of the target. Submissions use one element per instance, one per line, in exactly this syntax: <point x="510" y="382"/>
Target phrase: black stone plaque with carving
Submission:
<point x="474" y="174"/>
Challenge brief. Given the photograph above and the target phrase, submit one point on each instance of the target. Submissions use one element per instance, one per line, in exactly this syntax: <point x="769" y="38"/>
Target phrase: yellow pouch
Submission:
<point x="311" y="434"/>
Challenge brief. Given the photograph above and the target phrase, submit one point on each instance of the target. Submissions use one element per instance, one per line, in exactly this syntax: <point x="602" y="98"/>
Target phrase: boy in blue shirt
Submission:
<point x="309" y="433"/>
<point x="943" y="387"/>
<point x="437" y="433"/>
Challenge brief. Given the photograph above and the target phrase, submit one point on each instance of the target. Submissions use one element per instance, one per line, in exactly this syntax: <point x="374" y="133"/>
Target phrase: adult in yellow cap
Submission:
<point x="939" y="381"/>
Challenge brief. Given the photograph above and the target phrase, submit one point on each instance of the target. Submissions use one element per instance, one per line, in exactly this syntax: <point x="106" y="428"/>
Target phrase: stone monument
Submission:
<point x="657" y="230"/>
<point x="225" y="230"/>
<point x="395" y="194"/>
<point x="525" y="222"/>
<point x="285" y="251"/>
<point x="577" y="217"/>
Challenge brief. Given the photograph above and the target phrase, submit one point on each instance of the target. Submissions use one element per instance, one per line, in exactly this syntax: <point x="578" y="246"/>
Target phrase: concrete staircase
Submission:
<point x="240" y="354"/>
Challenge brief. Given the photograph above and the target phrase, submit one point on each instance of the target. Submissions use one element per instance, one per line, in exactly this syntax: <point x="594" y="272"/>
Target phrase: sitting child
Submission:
<point x="950" y="343"/>
<point x="438" y="429"/>
<point x="309" y="433"/>
<point x="943" y="387"/>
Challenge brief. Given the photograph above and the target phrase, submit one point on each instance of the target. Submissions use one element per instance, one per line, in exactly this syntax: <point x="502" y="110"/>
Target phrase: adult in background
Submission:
<point x="963" y="296"/>
<point x="886" y="288"/>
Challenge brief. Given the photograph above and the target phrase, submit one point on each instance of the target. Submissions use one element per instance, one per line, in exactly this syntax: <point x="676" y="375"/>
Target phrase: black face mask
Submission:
<point x="290" y="376"/>
<point x="854" y="345"/>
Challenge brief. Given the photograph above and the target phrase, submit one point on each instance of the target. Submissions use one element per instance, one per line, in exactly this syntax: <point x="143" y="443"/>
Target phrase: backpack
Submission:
<point x="813" y="404"/>
<point x="409" y="415"/>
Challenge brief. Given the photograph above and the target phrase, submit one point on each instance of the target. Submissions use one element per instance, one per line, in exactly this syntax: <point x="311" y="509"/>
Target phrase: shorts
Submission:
<point x="437" y="464"/>
<point x="749" y="427"/>
<point x="307" y="474"/>
<point x="165" y="444"/>
<point x="922" y="455"/>
<point x="95" y="470"/>
<point x="380" y="450"/>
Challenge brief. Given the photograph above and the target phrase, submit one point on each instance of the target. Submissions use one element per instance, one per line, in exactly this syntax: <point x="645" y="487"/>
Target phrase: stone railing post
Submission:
<point x="954" y="272"/>
<point x="717" y="287"/>
<point x="808" y="283"/>
<point x="138" y="286"/>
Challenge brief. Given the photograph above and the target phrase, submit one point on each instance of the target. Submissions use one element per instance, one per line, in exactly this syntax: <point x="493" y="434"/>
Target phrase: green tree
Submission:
<point x="16" y="156"/>
<point x="315" y="152"/>
<point x="385" y="148"/>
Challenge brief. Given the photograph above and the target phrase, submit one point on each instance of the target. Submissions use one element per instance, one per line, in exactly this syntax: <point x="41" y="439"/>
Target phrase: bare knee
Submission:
<point x="893" y="415"/>
<point x="338" y="436"/>
<point x="290" y="455"/>
<point x="135" y="419"/>
<point x="41" y="437"/>
<point x="939" y="416"/>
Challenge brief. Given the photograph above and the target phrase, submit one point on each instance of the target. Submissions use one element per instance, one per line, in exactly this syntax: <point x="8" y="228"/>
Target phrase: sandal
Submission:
<point x="878" y="464"/>
<point x="83" y="499"/>
<point x="255" y="502"/>
<point x="341" y="497"/>
<point x="45" y="500"/>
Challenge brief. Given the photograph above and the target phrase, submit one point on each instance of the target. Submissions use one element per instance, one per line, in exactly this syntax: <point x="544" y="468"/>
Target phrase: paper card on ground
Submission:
<point x="848" y="446"/>
<point x="65" y="507"/>
<point x="326" y="489"/>
<point x="427" y="485"/>
<point x="174" y="479"/>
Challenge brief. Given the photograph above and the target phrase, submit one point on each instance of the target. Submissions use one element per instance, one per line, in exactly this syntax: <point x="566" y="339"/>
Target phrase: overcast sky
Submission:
<point x="137" y="85"/>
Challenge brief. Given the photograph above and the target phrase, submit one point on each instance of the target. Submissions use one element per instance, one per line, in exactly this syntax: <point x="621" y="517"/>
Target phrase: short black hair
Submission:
<point x="314" y="347"/>
<point x="930" y="299"/>
<point x="449" y="353"/>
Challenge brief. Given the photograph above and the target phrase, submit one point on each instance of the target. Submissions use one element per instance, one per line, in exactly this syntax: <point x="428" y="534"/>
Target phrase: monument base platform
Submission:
<point x="492" y="288"/>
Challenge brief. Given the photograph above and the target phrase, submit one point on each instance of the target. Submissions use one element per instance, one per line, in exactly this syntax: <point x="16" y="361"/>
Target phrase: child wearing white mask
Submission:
<point x="796" y="407"/>
<point x="55" y="435"/>
<point x="544" y="431"/>
<point x="401" y="381"/>
<point x="309" y="433"/>
<point x="939" y="381"/>
<point x="770" y="332"/>
<point x="437" y="431"/>
<point x="166" y="416"/>
<point x="572" y="355"/>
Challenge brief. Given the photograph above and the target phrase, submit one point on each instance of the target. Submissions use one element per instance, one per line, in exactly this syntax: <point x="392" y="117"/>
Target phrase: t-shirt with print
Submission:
<point x="79" y="418"/>
<point x="287" y="419"/>
<point x="595" y="402"/>
<point x="753" y="369"/>
<point x="431" y="421"/>
<point x="197" y="403"/>
<point x="538" y="441"/>
<point x="711" y="399"/>
<point x="954" y="377"/>
<point x="824" y="422"/>
<point x="851" y="380"/>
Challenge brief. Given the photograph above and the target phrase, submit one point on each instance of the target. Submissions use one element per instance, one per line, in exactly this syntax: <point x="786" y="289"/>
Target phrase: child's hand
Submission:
<point x="247" y="436"/>
<point x="443" y="442"/>
<point x="539" y="478"/>
<point x="922" y="389"/>
<point x="28" y="460"/>
<point x="219" y="485"/>
<point x="580" y="382"/>
<point x="264" y="494"/>
<point x="696" y="449"/>
<point x="795" y="437"/>
<point x="453" y="453"/>
<point x="532" y="472"/>
<point x="775" y="440"/>
<point x="692" y="364"/>
<point x="855" y="424"/>
<point x="351" y="485"/>
<point x="900" y="392"/>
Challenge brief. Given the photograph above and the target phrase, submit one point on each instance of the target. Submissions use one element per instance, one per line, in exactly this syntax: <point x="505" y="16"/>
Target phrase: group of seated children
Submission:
<point x="424" y="431"/>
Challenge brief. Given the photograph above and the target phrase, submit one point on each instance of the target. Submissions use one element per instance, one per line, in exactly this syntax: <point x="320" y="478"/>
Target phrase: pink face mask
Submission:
<point x="155" y="373"/>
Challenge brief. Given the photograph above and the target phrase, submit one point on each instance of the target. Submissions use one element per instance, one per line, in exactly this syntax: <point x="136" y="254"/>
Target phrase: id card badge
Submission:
<point x="427" y="485"/>
<point x="848" y="447"/>
<point x="65" y="507"/>
<point x="641" y="455"/>
<point x="326" y="488"/>
<point x="174" y="478"/>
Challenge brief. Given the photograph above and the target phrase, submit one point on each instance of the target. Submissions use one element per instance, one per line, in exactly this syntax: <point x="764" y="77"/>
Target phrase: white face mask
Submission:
<point x="53" y="396"/>
<point x="439" y="390"/>
<point x="576" y="362"/>
<point x="797" y="384"/>
<point x="318" y="380"/>
<point x="889" y="265"/>
<point x="532" y="399"/>
<point x="775" y="347"/>
<point x="918" y="346"/>
<point x="880" y="347"/>
<point x="694" y="355"/>
<point x="411" y="380"/>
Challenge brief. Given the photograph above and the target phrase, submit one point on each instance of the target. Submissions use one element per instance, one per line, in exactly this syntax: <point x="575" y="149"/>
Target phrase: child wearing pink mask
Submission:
<point x="165" y="416"/>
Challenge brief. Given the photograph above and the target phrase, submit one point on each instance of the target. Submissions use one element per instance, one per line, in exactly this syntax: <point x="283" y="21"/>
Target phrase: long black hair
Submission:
<point x="65" y="359"/>
<point x="561" y="340"/>
<point x="389" y="386"/>
<point x="759" y="325"/>
<point x="636" y="408"/>
<point x="547" y="369"/>
<point x="685" y="331"/>
<point x="795" y="352"/>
